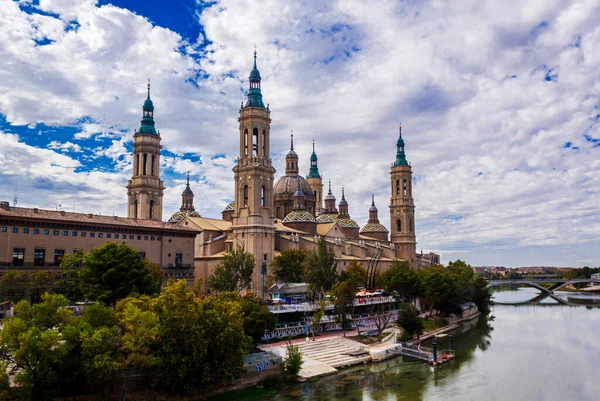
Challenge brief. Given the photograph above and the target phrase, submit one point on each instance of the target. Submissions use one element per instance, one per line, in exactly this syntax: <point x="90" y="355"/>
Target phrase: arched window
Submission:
<point x="264" y="141"/>
<point x="405" y="187"/>
<point x="145" y="162"/>
<point x="151" y="211"/>
<point x="137" y="164"/>
<point x="245" y="195"/>
<point x="397" y="187"/>
<point x="399" y="225"/>
<point x="245" y="142"/>
<point x="262" y="196"/>
<point x="152" y="167"/>
<point x="278" y="213"/>
<point x="135" y="209"/>
<point x="255" y="142"/>
<point x="411" y="227"/>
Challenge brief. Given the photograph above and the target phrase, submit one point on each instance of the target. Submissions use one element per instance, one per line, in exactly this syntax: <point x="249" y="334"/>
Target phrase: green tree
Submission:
<point x="69" y="284"/>
<point x="408" y="319"/>
<point x="343" y="302"/>
<point x="234" y="273"/>
<point x="481" y="295"/>
<point x="320" y="268"/>
<point x="200" y="342"/>
<point x="355" y="273"/>
<point x="293" y="361"/>
<point x="317" y="317"/>
<point x="258" y="319"/>
<point x="288" y="266"/>
<point x="113" y="271"/>
<point x="157" y="272"/>
<point x="403" y="280"/>
<point x="30" y="343"/>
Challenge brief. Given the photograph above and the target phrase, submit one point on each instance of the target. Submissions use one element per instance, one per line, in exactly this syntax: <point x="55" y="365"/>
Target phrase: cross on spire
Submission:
<point x="148" y="88"/>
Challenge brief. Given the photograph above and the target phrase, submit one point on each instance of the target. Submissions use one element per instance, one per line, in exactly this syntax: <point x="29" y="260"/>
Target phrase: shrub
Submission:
<point x="293" y="361"/>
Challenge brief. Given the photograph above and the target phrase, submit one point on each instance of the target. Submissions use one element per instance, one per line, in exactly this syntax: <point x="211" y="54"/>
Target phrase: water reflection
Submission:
<point x="529" y="352"/>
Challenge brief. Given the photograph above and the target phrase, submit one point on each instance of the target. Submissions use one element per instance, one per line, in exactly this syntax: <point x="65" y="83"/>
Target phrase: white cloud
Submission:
<point x="467" y="80"/>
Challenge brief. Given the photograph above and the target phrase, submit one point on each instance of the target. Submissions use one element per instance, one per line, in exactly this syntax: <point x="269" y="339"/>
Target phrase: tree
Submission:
<point x="288" y="266"/>
<point x="139" y="341"/>
<point x="408" y="319"/>
<point x="200" y="342"/>
<point x="481" y="295"/>
<point x="355" y="273"/>
<point x="234" y="273"/>
<point x="317" y="317"/>
<point x="113" y="271"/>
<point x="293" y="361"/>
<point x="157" y="272"/>
<point x="30" y="343"/>
<point x="343" y="301"/>
<point x="381" y="316"/>
<point x="320" y="268"/>
<point x="69" y="285"/>
<point x="258" y="319"/>
<point x="403" y="280"/>
<point x="14" y="285"/>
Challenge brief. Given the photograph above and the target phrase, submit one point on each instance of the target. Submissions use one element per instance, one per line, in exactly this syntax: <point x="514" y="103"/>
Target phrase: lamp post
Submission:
<point x="263" y="271"/>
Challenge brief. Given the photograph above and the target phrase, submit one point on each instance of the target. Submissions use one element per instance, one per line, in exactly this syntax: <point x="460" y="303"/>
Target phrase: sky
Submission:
<point x="499" y="104"/>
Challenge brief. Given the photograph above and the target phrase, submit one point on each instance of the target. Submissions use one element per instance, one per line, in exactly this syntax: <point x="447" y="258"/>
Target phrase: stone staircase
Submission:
<point x="330" y="351"/>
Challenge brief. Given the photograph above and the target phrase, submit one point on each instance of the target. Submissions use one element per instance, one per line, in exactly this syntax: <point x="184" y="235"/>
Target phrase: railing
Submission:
<point x="312" y="306"/>
<point x="328" y="324"/>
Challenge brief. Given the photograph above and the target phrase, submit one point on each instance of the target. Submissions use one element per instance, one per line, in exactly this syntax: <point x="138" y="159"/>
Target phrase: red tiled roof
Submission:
<point x="93" y="219"/>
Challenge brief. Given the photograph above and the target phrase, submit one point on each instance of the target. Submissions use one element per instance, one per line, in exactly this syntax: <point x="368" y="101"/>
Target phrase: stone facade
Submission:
<point x="36" y="239"/>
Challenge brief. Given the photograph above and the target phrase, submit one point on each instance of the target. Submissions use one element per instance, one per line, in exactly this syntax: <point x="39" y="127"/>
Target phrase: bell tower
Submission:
<point x="145" y="188"/>
<point x="402" y="207"/>
<point x="315" y="181"/>
<point x="253" y="221"/>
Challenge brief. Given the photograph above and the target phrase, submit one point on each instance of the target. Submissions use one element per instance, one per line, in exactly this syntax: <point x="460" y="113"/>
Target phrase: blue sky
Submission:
<point x="499" y="105"/>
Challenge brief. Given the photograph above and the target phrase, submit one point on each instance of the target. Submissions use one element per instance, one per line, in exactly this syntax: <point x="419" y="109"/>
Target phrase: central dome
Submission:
<point x="288" y="184"/>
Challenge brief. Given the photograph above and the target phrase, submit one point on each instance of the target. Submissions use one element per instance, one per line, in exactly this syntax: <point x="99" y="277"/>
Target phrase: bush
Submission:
<point x="408" y="319"/>
<point x="293" y="361"/>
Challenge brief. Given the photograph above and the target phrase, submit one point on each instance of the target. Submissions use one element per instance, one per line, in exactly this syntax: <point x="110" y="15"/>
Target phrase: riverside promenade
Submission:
<point x="332" y="351"/>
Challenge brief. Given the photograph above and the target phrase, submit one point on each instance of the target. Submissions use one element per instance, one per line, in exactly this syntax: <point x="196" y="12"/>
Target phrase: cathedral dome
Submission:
<point x="374" y="228"/>
<point x="177" y="216"/>
<point x="230" y="206"/>
<point x="348" y="223"/>
<point x="298" y="215"/>
<point x="326" y="218"/>
<point x="288" y="184"/>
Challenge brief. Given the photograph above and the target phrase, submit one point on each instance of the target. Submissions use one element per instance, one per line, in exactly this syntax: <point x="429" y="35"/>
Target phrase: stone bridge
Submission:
<point x="556" y="284"/>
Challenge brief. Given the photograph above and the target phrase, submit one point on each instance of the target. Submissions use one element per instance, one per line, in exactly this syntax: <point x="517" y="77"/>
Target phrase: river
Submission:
<point x="546" y="352"/>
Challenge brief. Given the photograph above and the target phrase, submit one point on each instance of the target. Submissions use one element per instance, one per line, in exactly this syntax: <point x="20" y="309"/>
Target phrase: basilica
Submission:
<point x="268" y="216"/>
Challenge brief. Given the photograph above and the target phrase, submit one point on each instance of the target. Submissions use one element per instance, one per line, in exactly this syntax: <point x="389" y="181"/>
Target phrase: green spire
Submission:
<point x="314" y="169"/>
<point x="400" y="156"/>
<point x="147" y="126"/>
<point x="254" y="94"/>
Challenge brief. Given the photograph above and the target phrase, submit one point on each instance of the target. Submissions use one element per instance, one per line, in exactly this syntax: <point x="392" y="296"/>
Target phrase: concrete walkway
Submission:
<point x="325" y="355"/>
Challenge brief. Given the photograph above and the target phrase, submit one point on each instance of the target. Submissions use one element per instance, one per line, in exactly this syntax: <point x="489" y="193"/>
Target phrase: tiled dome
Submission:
<point x="326" y="218"/>
<point x="373" y="227"/>
<point x="180" y="215"/>
<point x="298" y="215"/>
<point x="348" y="223"/>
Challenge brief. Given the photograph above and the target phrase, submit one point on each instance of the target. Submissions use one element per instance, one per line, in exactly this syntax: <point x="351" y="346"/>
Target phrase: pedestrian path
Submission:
<point x="322" y="357"/>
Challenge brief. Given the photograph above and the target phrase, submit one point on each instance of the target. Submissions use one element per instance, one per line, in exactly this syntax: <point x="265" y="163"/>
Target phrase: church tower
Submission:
<point x="145" y="188"/>
<point x="187" y="198"/>
<point x="315" y="181"/>
<point x="402" y="207"/>
<point x="252" y="221"/>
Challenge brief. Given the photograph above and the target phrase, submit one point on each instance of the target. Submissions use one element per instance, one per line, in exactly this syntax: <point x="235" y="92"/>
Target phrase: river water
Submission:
<point x="546" y="352"/>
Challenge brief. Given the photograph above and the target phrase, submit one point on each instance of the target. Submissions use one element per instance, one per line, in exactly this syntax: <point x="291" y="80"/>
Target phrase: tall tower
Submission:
<point x="187" y="198"/>
<point x="330" y="202"/>
<point x="252" y="221"/>
<point x="315" y="181"/>
<point x="145" y="189"/>
<point x="402" y="207"/>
